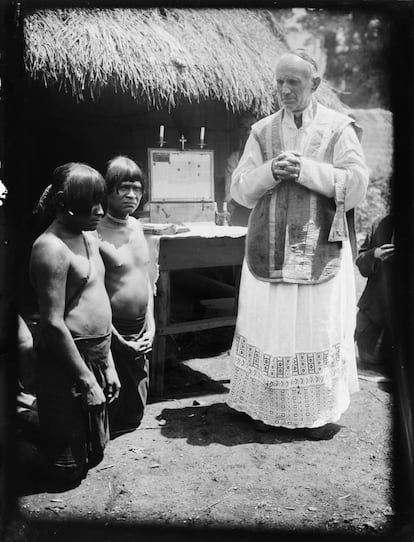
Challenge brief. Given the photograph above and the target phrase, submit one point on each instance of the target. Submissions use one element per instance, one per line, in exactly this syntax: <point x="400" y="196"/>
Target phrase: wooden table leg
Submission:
<point x="162" y="317"/>
<point x="237" y="270"/>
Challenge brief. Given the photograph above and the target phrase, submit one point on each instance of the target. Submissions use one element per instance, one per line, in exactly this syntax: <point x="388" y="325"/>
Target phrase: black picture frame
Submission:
<point x="15" y="173"/>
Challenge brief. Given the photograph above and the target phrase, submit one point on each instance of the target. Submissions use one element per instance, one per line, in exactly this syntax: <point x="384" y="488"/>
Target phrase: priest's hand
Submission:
<point x="286" y="166"/>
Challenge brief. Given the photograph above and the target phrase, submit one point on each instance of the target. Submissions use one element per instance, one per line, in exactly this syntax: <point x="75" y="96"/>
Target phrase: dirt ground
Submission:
<point x="196" y="462"/>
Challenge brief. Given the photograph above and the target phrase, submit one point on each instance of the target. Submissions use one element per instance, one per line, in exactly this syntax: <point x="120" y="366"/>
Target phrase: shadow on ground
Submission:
<point x="201" y="344"/>
<point x="218" y="423"/>
<point x="182" y="380"/>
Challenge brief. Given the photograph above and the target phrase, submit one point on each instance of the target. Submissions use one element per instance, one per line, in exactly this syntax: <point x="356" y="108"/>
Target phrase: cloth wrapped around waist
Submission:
<point x="72" y="434"/>
<point x="52" y="374"/>
<point x="129" y="326"/>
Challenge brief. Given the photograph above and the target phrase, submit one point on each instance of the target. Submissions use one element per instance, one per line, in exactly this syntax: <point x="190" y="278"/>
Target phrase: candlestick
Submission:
<point x="162" y="136"/>
<point x="202" y="134"/>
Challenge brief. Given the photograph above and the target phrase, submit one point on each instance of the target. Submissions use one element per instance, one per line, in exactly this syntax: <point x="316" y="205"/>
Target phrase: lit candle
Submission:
<point x="161" y="132"/>
<point x="202" y="132"/>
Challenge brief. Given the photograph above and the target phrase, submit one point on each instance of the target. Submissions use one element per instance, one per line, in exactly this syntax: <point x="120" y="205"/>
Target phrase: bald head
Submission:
<point x="302" y="55"/>
<point x="296" y="79"/>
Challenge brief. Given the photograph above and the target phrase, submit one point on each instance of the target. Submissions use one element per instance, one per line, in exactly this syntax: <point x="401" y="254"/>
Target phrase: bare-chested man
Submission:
<point x="125" y="254"/>
<point x="76" y="377"/>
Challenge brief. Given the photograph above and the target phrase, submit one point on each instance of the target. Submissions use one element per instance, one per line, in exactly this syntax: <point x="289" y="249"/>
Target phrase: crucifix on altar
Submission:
<point x="183" y="141"/>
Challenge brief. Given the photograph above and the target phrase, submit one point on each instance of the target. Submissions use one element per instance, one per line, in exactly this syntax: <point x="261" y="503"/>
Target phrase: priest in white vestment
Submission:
<point x="302" y="173"/>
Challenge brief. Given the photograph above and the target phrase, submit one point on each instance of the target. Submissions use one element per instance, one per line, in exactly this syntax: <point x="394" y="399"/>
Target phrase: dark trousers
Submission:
<point x="373" y="342"/>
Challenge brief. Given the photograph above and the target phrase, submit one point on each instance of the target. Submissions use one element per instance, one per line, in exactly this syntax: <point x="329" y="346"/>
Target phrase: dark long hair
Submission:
<point x="122" y="169"/>
<point x="76" y="187"/>
<point x="81" y="185"/>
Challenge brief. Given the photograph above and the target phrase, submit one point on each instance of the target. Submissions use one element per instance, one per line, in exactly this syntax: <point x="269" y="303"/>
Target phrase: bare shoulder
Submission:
<point x="50" y="243"/>
<point x="49" y="251"/>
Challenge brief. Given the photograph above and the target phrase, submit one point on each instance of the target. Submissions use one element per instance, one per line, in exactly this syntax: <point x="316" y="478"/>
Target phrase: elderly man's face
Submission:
<point x="295" y="83"/>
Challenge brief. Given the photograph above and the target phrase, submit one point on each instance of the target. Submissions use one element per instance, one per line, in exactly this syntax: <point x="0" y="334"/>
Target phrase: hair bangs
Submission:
<point x="120" y="170"/>
<point x="84" y="188"/>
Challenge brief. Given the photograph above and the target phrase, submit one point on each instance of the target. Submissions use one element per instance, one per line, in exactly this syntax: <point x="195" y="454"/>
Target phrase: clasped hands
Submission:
<point x="286" y="166"/>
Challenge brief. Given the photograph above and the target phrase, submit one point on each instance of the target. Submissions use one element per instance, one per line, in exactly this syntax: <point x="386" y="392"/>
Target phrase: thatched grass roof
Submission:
<point x="161" y="56"/>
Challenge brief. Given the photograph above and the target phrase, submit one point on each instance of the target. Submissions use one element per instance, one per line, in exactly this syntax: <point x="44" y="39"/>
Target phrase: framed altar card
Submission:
<point x="181" y="176"/>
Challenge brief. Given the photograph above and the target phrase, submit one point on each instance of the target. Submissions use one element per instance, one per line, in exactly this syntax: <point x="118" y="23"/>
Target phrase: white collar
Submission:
<point x="308" y="114"/>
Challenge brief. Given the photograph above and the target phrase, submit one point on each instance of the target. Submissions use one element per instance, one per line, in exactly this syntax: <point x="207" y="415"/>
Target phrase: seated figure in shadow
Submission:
<point x="373" y="328"/>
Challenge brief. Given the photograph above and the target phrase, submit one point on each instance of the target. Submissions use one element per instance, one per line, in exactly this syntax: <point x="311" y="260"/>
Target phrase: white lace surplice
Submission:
<point x="293" y="359"/>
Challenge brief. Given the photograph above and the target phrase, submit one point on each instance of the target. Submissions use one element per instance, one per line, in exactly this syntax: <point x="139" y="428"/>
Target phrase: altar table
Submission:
<point x="205" y="245"/>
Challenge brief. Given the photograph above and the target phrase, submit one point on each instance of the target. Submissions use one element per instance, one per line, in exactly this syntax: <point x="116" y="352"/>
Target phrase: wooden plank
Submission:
<point x="196" y="325"/>
<point x="198" y="252"/>
<point x="218" y="303"/>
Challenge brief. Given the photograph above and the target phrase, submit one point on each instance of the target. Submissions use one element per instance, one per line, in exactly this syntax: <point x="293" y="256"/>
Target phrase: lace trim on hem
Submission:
<point x="324" y="367"/>
<point x="239" y="408"/>
<point x="290" y="382"/>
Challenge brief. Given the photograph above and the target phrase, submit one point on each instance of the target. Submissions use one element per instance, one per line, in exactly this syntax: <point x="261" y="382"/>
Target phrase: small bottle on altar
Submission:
<point x="226" y="215"/>
<point x="216" y="213"/>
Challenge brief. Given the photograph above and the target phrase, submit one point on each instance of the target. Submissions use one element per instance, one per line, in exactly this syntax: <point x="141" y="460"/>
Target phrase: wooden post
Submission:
<point x="237" y="270"/>
<point x="162" y="318"/>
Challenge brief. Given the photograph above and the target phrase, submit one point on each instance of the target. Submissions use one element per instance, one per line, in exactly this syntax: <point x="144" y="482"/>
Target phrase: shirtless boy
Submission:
<point x="125" y="254"/>
<point x="76" y="377"/>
